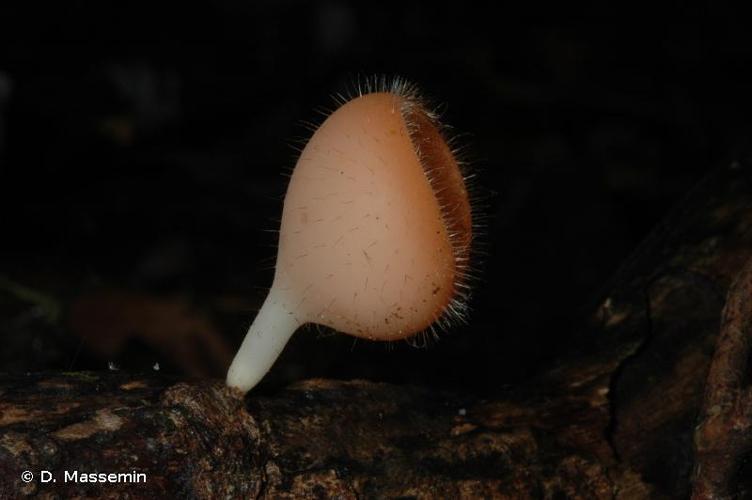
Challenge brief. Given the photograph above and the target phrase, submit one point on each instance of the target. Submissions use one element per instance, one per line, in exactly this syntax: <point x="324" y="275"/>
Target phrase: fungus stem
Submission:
<point x="267" y="336"/>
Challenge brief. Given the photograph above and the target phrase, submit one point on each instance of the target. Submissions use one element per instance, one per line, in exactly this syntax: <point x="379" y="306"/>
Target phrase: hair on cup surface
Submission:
<point x="375" y="234"/>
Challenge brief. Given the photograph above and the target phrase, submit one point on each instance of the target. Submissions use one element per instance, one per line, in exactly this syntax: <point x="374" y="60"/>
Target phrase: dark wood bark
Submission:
<point x="318" y="438"/>
<point x="724" y="435"/>
<point x="615" y="419"/>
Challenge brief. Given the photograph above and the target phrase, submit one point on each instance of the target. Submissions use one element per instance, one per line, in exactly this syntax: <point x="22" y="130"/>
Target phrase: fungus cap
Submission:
<point x="364" y="245"/>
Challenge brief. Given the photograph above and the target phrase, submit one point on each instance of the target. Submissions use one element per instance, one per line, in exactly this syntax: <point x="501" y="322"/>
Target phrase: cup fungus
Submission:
<point x="375" y="234"/>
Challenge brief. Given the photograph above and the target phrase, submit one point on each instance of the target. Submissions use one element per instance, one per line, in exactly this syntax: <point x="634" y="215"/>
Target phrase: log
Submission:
<point x="317" y="438"/>
<point x="615" y="418"/>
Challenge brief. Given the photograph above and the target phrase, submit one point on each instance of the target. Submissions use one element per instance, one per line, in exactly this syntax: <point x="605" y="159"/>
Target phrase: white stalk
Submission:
<point x="262" y="345"/>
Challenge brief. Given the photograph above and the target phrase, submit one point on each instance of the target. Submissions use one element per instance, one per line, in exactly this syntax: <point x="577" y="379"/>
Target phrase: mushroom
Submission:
<point x="375" y="233"/>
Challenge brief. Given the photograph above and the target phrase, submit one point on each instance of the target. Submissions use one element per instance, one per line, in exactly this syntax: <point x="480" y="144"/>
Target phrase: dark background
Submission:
<point x="141" y="153"/>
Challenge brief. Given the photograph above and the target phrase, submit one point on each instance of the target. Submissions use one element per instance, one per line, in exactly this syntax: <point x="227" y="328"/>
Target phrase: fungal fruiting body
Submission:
<point x="375" y="233"/>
